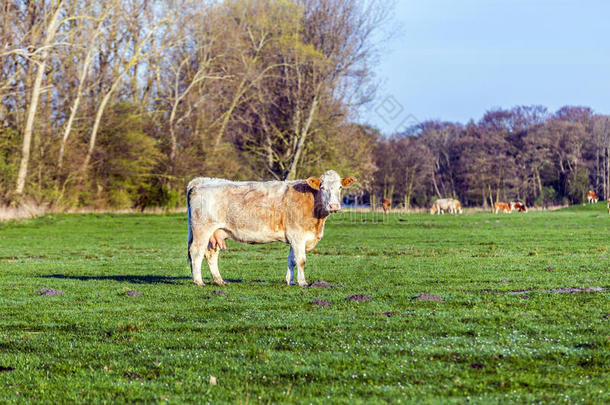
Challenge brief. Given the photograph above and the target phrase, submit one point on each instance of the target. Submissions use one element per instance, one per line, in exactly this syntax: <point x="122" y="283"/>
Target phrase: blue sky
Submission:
<point x="455" y="59"/>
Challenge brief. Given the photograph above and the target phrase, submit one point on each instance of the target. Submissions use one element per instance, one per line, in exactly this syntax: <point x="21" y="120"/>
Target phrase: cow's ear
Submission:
<point x="346" y="182"/>
<point x="314" y="183"/>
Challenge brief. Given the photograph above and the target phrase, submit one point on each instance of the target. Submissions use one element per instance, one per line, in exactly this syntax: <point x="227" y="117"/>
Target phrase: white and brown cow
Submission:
<point x="446" y="204"/>
<point x="518" y="206"/>
<point x="500" y="206"/>
<point x="293" y="212"/>
<point x="592" y="197"/>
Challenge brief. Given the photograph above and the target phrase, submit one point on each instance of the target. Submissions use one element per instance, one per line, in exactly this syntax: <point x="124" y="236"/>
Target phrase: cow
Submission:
<point x="517" y="206"/>
<point x="386" y="204"/>
<point x="592" y="197"/>
<point x="500" y="206"/>
<point x="446" y="204"/>
<point x="293" y="212"/>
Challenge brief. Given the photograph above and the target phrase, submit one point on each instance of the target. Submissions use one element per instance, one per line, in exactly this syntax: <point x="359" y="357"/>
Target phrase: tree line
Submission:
<point x="119" y="103"/>
<point x="525" y="153"/>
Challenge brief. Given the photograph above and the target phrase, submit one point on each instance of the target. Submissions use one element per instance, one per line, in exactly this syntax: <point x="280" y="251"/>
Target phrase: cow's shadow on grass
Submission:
<point x="134" y="279"/>
<point x="126" y="278"/>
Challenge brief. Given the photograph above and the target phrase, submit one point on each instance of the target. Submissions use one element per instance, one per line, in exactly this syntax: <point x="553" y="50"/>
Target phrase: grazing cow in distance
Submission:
<point x="457" y="207"/>
<point x="500" y="206"/>
<point x="293" y="212"/>
<point x="592" y="197"/>
<point x="517" y="206"/>
<point x="446" y="204"/>
<point x="386" y="204"/>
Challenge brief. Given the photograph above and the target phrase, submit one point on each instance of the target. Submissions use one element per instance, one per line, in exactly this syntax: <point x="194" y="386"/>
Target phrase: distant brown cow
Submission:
<point x="500" y="206"/>
<point x="592" y="197"/>
<point x="518" y="206"/>
<point x="386" y="204"/>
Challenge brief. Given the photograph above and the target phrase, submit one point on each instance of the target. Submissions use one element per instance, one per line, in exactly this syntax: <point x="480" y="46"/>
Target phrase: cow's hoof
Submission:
<point x="199" y="283"/>
<point x="303" y="284"/>
<point x="220" y="282"/>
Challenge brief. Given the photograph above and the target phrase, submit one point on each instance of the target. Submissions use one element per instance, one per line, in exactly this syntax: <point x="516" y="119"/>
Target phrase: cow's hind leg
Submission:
<point x="196" y="251"/>
<point x="211" y="255"/>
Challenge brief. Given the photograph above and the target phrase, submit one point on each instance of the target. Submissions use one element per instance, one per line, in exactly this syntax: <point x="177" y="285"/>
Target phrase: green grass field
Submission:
<point x="499" y="335"/>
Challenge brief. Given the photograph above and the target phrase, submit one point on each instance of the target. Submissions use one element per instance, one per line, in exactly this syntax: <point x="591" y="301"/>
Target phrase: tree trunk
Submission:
<point x="491" y="196"/>
<point x="227" y="115"/>
<point x="96" y="125"/>
<point x="409" y="191"/>
<point x="106" y="98"/>
<point x="81" y="83"/>
<point x="36" y="90"/>
<point x="438" y="193"/>
<point x="292" y="171"/>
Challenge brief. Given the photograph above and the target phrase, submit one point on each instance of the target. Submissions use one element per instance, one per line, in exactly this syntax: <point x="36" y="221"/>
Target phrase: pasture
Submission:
<point x="503" y="332"/>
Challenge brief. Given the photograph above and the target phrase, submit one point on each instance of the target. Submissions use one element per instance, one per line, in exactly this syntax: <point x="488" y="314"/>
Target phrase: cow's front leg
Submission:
<point x="291" y="264"/>
<point x="298" y="250"/>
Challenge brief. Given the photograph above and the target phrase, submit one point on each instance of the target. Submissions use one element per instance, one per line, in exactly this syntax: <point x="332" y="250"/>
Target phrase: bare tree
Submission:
<point x="90" y="44"/>
<point x="39" y="57"/>
<point x="312" y="55"/>
<point x="122" y="67"/>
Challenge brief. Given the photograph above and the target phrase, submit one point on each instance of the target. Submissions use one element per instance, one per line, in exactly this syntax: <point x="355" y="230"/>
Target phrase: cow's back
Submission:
<point x="251" y="212"/>
<point x="444" y="203"/>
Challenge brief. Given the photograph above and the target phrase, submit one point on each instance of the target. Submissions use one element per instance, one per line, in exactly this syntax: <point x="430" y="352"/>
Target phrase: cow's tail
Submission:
<point x="189" y="188"/>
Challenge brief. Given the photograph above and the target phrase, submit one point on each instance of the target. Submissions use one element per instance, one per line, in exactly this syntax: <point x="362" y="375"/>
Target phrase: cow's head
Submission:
<point x="329" y="187"/>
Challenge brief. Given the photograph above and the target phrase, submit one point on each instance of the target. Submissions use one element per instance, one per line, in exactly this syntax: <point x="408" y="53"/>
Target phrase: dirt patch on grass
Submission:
<point x="133" y="293"/>
<point x="388" y="314"/>
<point x="132" y="375"/>
<point x="359" y="298"/>
<point x="576" y="290"/>
<point x="49" y="292"/>
<point x="428" y="297"/>
<point x="477" y="366"/>
<point x="219" y="292"/>
<point x="323" y="284"/>
<point x="321" y="303"/>
<point x="563" y="290"/>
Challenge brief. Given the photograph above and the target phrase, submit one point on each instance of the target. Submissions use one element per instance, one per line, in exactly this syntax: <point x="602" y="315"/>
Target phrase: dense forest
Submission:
<point x="525" y="153"/>
<point x="118" y="103"/>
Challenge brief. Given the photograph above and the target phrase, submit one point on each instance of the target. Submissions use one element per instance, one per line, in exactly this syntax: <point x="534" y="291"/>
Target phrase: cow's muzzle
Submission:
<point x="334" y="207"/>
